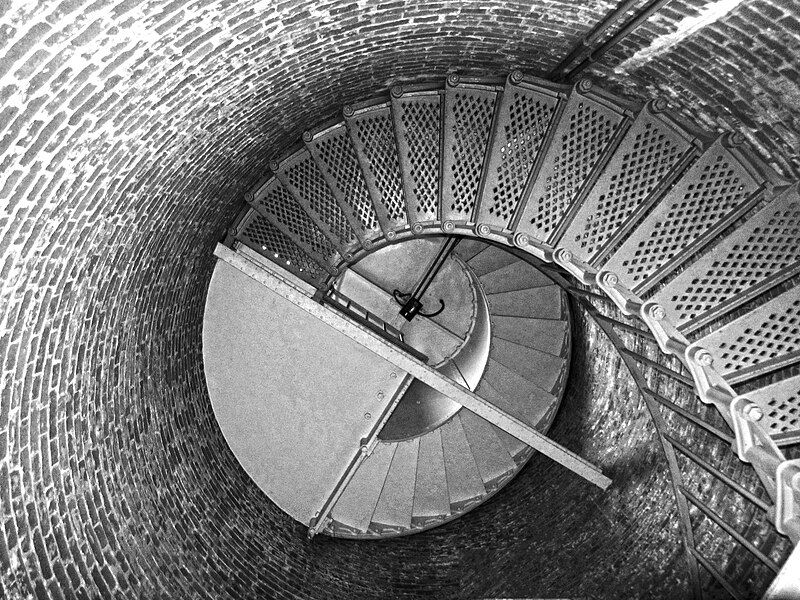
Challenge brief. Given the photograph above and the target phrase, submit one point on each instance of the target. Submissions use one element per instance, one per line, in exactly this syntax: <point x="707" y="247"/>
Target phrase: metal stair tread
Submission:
<point x="530" y="409"/>
<point x="516" y="276"/>
<point x="463" y="479"/>
<point x="544" y="370"/>
<point x="357" y="502"/>
<point x="490" y="259"/>
<point x="515" y="447"/>
<point x="491" y="457"/>
<point x="540" y="303"/>
<point x="468" y="248"/>
<point x="396" y="499"/>
<point x="546" y="335"/>
<point x="431" y="497"/>
<point x="512" y="384"/>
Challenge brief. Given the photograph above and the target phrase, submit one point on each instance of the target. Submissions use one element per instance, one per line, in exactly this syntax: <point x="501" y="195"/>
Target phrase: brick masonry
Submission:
<point x="128" y="133"/>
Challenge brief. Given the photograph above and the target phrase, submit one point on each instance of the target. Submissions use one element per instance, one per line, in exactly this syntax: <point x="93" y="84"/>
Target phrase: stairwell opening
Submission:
<point x="130" y="133"/>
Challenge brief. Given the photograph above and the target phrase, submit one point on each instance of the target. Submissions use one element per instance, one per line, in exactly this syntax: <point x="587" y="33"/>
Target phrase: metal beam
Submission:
<point x="421" y="371"/>
<point x="629" y="360"/>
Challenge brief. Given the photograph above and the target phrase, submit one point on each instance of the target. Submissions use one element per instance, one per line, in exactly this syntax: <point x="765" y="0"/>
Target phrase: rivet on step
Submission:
<point x="390" y="235"/>
<point x="307" y="137"/>
<point x="348" y="111"/>
<point x="233" y="231"/>
<point x="657" y="312"/>
<point x="367" y="244"/>
<point x="563" y="255"/>
<point x="397" y="91"/>
<point x="453" y="79"/>
<point x="367" y="416"/>
<point x="752" y="413"/>
<point x="448" y="227"/>
<point x="659" y="105"/>
<point x="521" y="240"/>
<point x="274" y="165"/>
<point x="610" y="279"/>
<point x="584" y="85"/>
<point x="736" y="139"/>
<point x="417" y="228"/>
<point x="348" y="256"/>
<point x="250" y="198"/>
<point x="334" y="271"/>
<point x="516" y="76"/>
<point x="381" y="395"/>
<point x="393" y="375"/>
<point x="704" y="358"/>
<point x="483" y="230"/>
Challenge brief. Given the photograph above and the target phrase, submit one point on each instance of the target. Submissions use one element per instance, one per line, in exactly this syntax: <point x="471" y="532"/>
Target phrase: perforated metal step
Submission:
<point x="522" y="120"/>
<point x="718" y="187"/>
<point x="371" y="131"/>
<point x="417" y="113"/>
<point x="468" y="115"/>
<point x="649" y="157"/>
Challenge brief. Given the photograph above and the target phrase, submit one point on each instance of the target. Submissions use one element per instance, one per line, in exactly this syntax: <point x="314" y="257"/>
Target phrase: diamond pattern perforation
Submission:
<point x="279" y="248"/>
<point x="309" y="183"/>
<point x="376" y="134"/>
<point x="713" y="188"/>
<point x="523" y="131"/>
<point x="577" y="149"/>
<point x="767" y="247"/>
<point x="781" y="405"/>
<point x="765" y="333"/>
<point x="340" y="163"/>
<point x="420" y="119"/>
<point x="280" y="204"/>
<point x="647" y="154"/>
<point x="472" y="122"/>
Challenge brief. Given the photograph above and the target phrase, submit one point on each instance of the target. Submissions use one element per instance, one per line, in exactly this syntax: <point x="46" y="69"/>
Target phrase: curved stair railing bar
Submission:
<point x="676" y="435"/>
<point x="353" y="203"/>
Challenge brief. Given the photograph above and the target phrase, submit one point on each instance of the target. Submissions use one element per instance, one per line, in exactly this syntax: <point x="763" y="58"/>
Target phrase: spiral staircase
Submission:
<point x="681" y="245"/>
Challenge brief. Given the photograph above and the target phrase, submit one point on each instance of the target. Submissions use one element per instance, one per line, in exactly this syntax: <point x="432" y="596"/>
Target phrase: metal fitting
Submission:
<point x="448" y="227"/>
<point x="704" y="357"/>
<point x="610" y="279"/>
<point x="659" y="105"/>
<point x="752" y="412"/>
<point x="417" y="228"/>
<point x="562" y="255"/>
<point x="521" y="240"/>
<point x="483" y="230"/>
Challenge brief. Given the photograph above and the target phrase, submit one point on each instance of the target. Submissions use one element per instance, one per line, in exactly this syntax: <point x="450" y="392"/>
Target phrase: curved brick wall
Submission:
<point x="128" y="132"/>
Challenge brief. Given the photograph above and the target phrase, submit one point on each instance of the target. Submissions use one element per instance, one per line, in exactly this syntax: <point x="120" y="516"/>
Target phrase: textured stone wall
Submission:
<point x="128" y="132"/>
<point x="739" y="72"/>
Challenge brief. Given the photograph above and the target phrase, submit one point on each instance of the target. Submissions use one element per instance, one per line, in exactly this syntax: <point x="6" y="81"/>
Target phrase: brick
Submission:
<point x="24" y="45"/>
<point x="107" y="260"/>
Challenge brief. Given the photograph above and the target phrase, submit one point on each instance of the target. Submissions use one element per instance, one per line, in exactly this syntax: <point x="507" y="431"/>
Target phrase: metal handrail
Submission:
<point x="752" y="442"/>
<point x="361" y="315"/>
